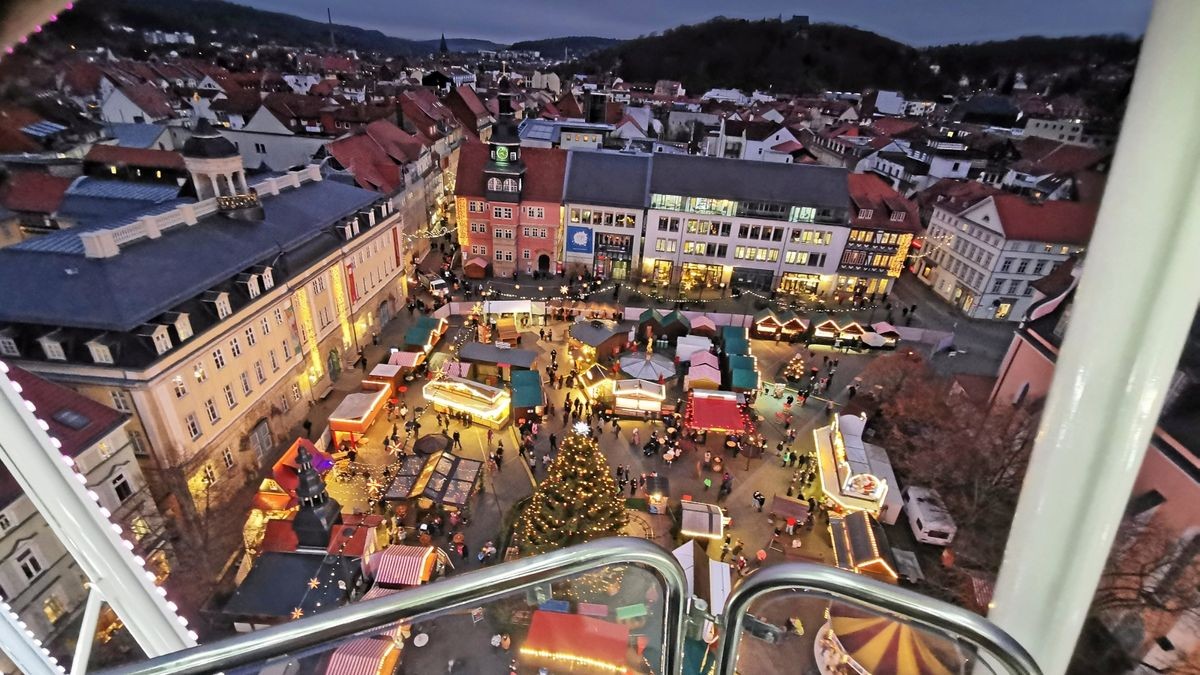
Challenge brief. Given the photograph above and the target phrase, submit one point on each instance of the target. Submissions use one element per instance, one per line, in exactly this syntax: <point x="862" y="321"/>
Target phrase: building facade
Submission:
<point x="605" y="209"/>
<point x="882" y="227"/>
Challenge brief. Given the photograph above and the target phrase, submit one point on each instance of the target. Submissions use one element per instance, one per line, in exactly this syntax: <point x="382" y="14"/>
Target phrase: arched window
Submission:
<point x="494" y="184"/>
<point x="510" y="184"/>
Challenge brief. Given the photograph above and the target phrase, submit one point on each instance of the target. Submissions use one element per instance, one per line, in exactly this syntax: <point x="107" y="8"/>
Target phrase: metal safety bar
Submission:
<point x="895" y="602"/>
<point x="455" y="592"/>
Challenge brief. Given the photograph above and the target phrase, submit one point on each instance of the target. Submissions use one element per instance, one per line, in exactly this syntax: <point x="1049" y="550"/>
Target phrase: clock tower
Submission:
<point x="505" y="172"/>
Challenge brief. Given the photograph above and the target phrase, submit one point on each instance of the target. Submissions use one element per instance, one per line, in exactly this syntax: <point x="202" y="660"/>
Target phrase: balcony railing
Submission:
<point x="673" y="617"/>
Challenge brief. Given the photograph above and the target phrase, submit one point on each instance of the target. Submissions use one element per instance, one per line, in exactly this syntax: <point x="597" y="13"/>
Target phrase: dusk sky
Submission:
<point x="917" y="22"/>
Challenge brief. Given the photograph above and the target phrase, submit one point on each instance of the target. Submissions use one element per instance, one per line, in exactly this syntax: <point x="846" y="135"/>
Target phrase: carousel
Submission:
<point x="856" y="642"/>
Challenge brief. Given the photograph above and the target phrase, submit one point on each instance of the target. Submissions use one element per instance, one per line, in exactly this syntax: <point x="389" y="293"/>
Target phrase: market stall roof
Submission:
<point x="706" y="521"/>
<point x="715" y="411"/>
<point x="477" y="261"/>
<point x="593" y="375"/>
<point x="527" y="389"/>
<point x="569" y="640"/>
<point x="734" y="332"/>
<point x="403" y="565"/>
<point x="431" y="443"/>
<point x="647" y="366"/>
<point x="744" y="379"/>
<point x="657" y="485"/>
<point x="791" y="320"/>
<point x="702" y="325"/>
<point x="379" y="592"/>
<point x="702" y="374"/>
<point x="364" y="656"/>
<point x="286" y="471"/>
<point x="277" y="585"/>
<point x="860" y="545"/>
<point x="828" y="326"/>
<point x="357" y="407"/>
<point x="737" y="346"/>
<point x="705" y="359"/>
<point x="766" y="317"/>
<point x="651" y="315"/>
<point x="385" y="371"/>
<point x="595" y="332"/>
<point x="676" y="317"/>
<point x="405" y="477"/>
<point x="786" y="507"/>
<point x="449" y="479"/>
<point x="506" y="329"/>
<point x="883" y="645"/>
<point x="424" y="331"/>
<point x="272" y="497"/>
<point x="406" y="359"/>
<point x="687" y="345"/>
<point x="885" y="329"/>
<point x="480" y="352"/>
<point x="742" y="362"/>
<point x="639" y="389"/>
<point x="852" y="329"/>
<point x="707" y="578"/>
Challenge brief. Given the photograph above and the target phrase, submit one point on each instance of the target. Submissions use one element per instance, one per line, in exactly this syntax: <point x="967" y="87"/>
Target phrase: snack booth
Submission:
<point x="486" y="405"/>
<point x="357" y="412"/>
<point x="638" y="398"/>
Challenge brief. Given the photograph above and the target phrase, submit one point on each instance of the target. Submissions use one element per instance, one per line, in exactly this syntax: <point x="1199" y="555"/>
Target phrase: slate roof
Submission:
<point x="479" y="351"/>
<point x="130" y="135"/>
<point x="278" y="583"/>
<point x="607" y="179"/>
<point x="722" y="178"/>
<point x="152" y="276"/>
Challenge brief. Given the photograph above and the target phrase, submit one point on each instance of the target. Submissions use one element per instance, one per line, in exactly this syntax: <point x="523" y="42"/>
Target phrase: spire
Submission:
<point x="318" y="513"/>
<point x="443" y="48"/>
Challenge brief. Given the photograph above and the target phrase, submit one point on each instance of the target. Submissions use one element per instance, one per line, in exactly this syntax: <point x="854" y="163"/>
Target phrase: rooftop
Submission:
<point x="720" y="178"/>
<point x="607" y="178"/>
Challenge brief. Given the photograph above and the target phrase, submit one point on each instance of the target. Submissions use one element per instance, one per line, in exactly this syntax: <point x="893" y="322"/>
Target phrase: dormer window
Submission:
<point x="250" y="283"/>
<point x="101" y="353"/>
<point x="158" y="334"/>
<point x="52" y="346"/>
<point x="866" y="214"/>
<point x="898" y="216"/>
<point x="8" y="342"/>
<point x="267" y="276"/>
<point x="182" y="323"/>
<point x="220" y="302"/>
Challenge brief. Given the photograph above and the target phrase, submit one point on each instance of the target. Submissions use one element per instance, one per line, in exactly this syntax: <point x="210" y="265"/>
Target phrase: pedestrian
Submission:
<point x="615" y="426"/>
<point x="532" y="463"/>
<point x="632" y="488"/>
<point x="759" y="500"/>
<point x="500" y="457"/>
<point x="307" y="428"/>
<point x="784" y="456"/>
<point x="851" y="391"/>
<point x="724" y="551"/>
<point x="489" y="437"/>
<point x="457" y="441"/>
<point x="553" y="443"/>
<point x="737" y="548"/>
<point x="546" y="459"/>
<point x="637" y="437"/>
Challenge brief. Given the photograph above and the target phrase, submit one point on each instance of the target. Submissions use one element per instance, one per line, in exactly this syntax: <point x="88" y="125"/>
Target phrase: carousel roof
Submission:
<point x="882" y="645"/>
<point x="647" y="366"/>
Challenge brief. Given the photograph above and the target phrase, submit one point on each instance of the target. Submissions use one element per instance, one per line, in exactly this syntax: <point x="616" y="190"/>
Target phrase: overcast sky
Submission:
<point x="917" y="22"/>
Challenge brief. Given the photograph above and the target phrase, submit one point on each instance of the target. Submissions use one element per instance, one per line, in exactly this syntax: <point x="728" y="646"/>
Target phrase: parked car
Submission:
<point x="927" y="516"/>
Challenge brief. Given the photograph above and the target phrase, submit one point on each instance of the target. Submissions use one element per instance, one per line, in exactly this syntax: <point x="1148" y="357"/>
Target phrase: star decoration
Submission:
<point x="582" y="428"/>
<point x="297" y="613"/>
<point x="314" y="582"/>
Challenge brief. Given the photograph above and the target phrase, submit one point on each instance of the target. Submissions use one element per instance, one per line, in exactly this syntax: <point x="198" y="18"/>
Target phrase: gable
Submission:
<point x="266" y="122"/>
<point x="985" y="215"/>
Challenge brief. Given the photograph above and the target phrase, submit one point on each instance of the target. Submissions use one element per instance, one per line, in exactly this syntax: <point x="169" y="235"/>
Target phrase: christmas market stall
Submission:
<point x="566" y="643"/>
<point x="704" y="326"/>
<point x="674" y="326"/>
<point x="826" y="331"/>
<point x="650" y="323"/>
<point x="766" y="324"/>
<point x="705" y="359"/>
<point x="599" y="339"/>
<point x="506" y="330"/>
<point x="743" y="379"/>
<point x="375" y="655"/>
<point x="701" y="521"/>
<point x="851" y="334"/>
<point x="854" y="475"/>
<point x="708" y="580"/>
<point x="357" y="412"/>
<point x="406" y="361"/>
<point x="734" y="333"/>
<point x="638" y="398"/>
<point x="425" y="333"/>
<point x="486" y="405"/>
<point x="883" y="335"/>
<point x="737" y="346"/>
<point x="403" y="566"/>
<point x="793" y="325"/>
<point x="392" y="375"/>
<point x="286" y="471"/>
<point x="856" y="641"/>
<point x="476" y="268"/>
<point x="719" y="411"/>
<point x="702" y="377"/>
<point x="493" y="363"/>
<point x="528" y="399"/>
<point x="443" y="480"/>
<point x="595" y="382"/>
<point x="861" y="546"/>
<point x="687" y="345"/>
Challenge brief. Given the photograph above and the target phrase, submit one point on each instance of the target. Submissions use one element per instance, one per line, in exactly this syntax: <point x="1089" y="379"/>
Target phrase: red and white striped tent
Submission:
<point x="403" y="565"/>
<point x="364" y="656"/>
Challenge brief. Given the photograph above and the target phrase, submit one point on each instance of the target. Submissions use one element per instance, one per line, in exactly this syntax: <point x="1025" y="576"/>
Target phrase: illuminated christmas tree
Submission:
<point x="577" y="502"/>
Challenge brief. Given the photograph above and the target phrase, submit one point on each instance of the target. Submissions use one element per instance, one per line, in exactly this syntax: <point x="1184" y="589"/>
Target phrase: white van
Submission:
<point x="927" y="516"/>
<point x="435" y="285"/>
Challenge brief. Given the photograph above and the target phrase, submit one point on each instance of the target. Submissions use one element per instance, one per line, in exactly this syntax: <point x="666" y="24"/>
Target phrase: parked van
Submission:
<point x="435" y="285"/>
<point x="927" y="516"/>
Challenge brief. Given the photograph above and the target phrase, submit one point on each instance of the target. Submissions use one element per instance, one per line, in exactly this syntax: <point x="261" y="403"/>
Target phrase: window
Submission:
<point x="898" y="216"/>
<point x="5" y="523"/>
<point x="1041" y="265"/>
<point x="53" y="350"/>
<point x="295" y="392"/>
<point x="493" y="184"/>
<point x="210" y="407"/>
<point x="265" y="325"/>
<point x="866" y="214"/>
<point x="287" y="350"/>
<point x="120" y="486"/>
<point x="260" y="148"/>
<point x="998" y="286"/>
<point x="227" y="458"/>
<point x="250" y="338"/>
<point x="268" y="278"/>
<point x="278" y="316"/>
<point x="1006" y="265"/>
<point x="259" y="372"/>
<point x="245" y="379"/>
<point x="218" y="358"/>
<point x="210" y="476"/>
<point x="8" y="346"/>
<point x="535" y="211"/>
<point x="476" y="207"/>
<point x="504" y="212"/>
<point x="1022" y="266"/>
<point x="284" y="403"/>
<point x="319" y="284"/>
<point x="101" y="353"/>
<point x="120" y="400"/>
<point x="30" y="566"/>
<point x="138" y="441"/>
<point x="1014" y="285"/>
<point x="235" y="346"/>
<point x="230" y="399"/>
<point x="274" y="361"/>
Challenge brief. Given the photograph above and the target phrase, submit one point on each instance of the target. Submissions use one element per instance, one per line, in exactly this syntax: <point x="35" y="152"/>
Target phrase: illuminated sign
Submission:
<point x="579" y="239"/>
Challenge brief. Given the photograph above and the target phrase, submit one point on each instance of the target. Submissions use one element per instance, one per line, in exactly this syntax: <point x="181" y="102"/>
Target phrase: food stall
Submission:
<point x="767" y="324"/>
<point x="506" y="330"/>
<point x="403" y="566"/>
<point x="793" y="325"/>
<point x="406" y="361"/>
<point x="425" y="333"/>
<point x="853" y="475"/>
<point x="658" y="491"/>
<point x="687" y="345"/>
<point x="826" y="331"/>
<point x="883" y="335"/>
<point x="716" y="411"/>
<point x="734" y="332"/>
<point x="638" y="398"/>
<point x="702" y="521"/>
<point x="528" y="398"/>
<point x="357" y="412"/>
<point x="702" y="377"/>
<point x="650" y="323"/>
<point x="486" y="405"/>
<point x="743" y="379"/>
<point x="861" y="546"/>
<point x="737" y="346"/>
<point x="390" y="374"/>
<point x="704" y="326"/>
<point x="564" y="643"/>
<point x="476" y="268"/>
<point x="595" y="382"/>
<point x="375" y="655"/>
<point x="598" y="339"/>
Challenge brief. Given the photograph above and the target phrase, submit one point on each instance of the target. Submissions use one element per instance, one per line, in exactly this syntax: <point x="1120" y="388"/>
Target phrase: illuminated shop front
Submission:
<point x="657" y="272"/>
<point x="614" y="255"/>
<point x="799" y="283"/>
<point x="487" y="405"/>
<point x="699" y="275"/>
<point x="855" y="476"/>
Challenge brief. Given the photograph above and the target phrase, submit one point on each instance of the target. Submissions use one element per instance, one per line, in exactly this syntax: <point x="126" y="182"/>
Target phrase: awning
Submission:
<point x="477" y="261"/>
<point x="364" y="656"/>
<point x="715" y="411"/>
<point x="406" y="359"/>
<point x="403" y="565"/>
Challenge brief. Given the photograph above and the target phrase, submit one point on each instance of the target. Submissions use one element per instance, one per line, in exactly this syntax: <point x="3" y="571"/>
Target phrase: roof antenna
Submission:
<point x="332" y="41"/>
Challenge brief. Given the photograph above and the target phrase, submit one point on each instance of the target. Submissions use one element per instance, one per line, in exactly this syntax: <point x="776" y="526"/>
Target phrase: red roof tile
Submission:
<point x="367" y="162"/>
<point x="869" y="191"/>
<point x="545" y="169"/>
<point x="1041" y="156"/>
<point x="469" y="97"/>
<point x="955" y="195"/>
<point x="82" y="78"/>
<point x="33" y="192"/>
<point x="150" y="99"/>
<point x="893" y="126"/>
<point x="1059" y="222"/>
<point x="140" y="157"/>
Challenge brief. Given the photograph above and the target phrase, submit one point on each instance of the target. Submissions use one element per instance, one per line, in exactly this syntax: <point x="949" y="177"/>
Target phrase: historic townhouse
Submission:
<point x="211" y="321"/>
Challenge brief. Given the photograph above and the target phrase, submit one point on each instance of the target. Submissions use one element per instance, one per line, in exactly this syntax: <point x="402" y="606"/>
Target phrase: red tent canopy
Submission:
<point x="715" y="413"/>
<point x="287" y="470"/>
<point x="576" y="640"/>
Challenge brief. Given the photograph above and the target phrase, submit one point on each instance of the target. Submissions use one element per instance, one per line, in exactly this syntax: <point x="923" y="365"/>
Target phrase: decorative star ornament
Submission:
<point x="297" y="613"/>
<point x="582" y="428"/>
<point x="314" y="582"/>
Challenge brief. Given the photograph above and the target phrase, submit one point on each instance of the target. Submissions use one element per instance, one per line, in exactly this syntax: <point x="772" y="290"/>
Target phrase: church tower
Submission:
<point x="505" y="172"/>
<point x="318" y="513"/>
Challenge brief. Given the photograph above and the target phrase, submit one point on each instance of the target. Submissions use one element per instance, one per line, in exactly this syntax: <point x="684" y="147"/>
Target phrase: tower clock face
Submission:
<point x="502" y="154"/>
